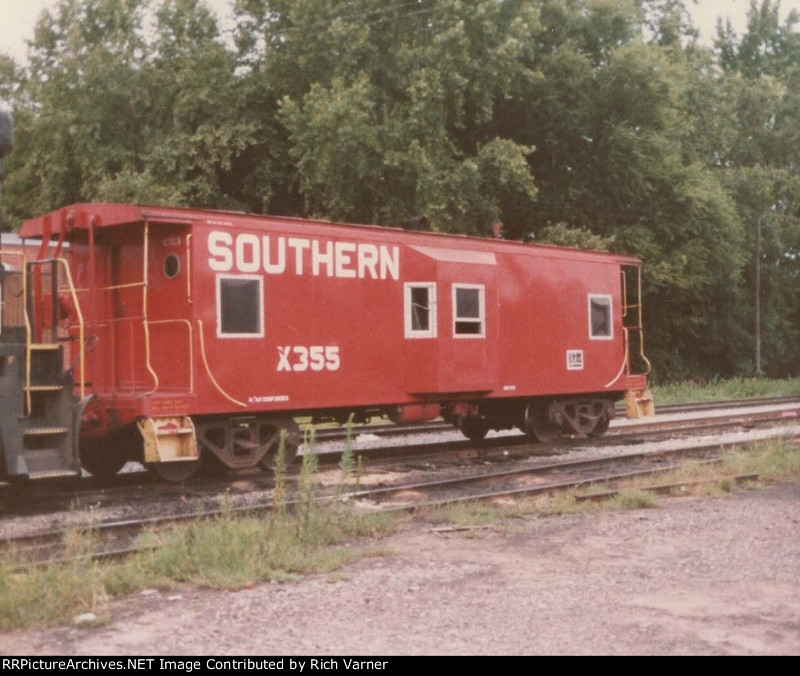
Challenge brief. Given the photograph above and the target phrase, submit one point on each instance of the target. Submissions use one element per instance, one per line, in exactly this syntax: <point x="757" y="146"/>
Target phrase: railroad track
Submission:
<point x="143" y="491"/>
<point x="517" y="445"/>
<point x="529" y="481"/>
<point x="116" y="538"/>
<point x="341" y="433"/>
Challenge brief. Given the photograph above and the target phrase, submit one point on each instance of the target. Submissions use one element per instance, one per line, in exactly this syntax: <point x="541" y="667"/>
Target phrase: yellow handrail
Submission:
<point x="81" y="329"/>
<point x="208" y="369"/>
<point x="70" y="287"/>
<point x="625" y="361"/>
<point x="191" y="348"/>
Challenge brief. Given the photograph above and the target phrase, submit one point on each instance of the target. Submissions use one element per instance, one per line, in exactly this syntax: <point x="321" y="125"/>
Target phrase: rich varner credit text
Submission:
<point x="308" y="664"/>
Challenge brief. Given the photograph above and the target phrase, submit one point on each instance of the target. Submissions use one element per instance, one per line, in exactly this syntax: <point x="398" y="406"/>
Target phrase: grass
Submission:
<point x="472" y="514"/>
<point x="770" y="460"/>
<point x="222" y="553"/>
<point x="632" y="498"/>
<point x="719" y="389"/>
<point x="226" y="552"/>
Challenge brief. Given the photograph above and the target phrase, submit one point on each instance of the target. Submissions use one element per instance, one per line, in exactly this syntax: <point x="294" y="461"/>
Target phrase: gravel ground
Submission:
<point x="695" y="576"/>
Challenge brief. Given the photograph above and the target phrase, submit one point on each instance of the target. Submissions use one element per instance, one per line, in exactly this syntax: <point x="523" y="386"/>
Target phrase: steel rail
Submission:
<point x="46" y="497"/>
<point x="392" y="429"/>
<point x="47" y="541"/>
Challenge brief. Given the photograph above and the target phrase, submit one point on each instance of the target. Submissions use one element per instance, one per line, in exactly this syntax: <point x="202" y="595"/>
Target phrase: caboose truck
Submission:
<point x="162" y="335"/>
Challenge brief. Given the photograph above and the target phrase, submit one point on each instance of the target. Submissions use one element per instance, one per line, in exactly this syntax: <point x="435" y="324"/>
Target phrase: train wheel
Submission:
<point x="473" y="427"/>
<point x="601" y="427"/>
<point x="100" y="461"/>
<point x="270" y="433"/>
<point x="175" y="472"/>
<point x="537" y="423"/>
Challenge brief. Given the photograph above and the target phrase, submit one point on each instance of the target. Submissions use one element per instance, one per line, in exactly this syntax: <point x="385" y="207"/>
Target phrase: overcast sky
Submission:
<point x="18" y="17"/>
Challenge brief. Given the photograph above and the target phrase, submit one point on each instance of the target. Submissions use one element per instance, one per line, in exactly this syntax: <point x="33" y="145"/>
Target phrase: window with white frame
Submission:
<point x="469" y="311"/>
<point x="601" y="325"/>
<point x="420" y="310"/>
<point x="240" y="300"/>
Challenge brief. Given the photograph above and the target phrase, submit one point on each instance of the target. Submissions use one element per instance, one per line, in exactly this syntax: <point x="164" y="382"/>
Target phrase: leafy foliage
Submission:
<point x="597" y="123"/>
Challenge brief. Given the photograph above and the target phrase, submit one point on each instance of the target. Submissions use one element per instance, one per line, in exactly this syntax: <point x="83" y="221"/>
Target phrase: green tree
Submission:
<point x="195" y="130"/>
<point x="109" y="112"/>
<point x="759" y="161"/>
<point x="611" y="113"/>
<point x="598" y="123"/>
<point x="388" y="107"/>
<point x="81" y="115"/>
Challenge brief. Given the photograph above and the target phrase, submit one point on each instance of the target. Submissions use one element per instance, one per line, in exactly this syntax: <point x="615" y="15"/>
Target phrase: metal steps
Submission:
<point x="37" y="423"/>
<point x="40" y="414"/>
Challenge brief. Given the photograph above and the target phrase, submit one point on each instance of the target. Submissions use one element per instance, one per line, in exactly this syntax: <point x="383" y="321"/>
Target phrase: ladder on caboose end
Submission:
<point x="638" y="403"/>
<point x="41" y="412"/>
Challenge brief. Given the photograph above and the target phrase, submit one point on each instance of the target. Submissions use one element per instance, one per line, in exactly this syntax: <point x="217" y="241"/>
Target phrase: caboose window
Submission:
<point x="600" y="318"/>
<point x="239" y="303"/>
<point x="468" y="311"/>
<point x="420" y="310"/>
<point x="172" y="266"/>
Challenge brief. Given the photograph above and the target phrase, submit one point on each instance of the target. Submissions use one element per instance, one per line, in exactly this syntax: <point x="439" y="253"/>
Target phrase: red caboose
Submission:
<point x="185" y="332"/>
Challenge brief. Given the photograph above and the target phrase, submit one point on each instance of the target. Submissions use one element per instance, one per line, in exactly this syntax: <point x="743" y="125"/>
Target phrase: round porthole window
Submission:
<point x="172" y="266"/>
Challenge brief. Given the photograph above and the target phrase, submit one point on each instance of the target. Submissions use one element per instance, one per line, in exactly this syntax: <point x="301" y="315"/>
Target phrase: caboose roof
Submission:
<point x="83" y="216"/>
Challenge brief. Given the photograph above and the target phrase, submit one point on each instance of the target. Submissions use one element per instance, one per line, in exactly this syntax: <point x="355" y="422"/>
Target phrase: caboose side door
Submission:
<point x="451" y="321"/>
<point x="121" y="344"/>
<point x="466" y="318"/>
<point x="168" y="309"/>
<point x="468" y="322"/>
